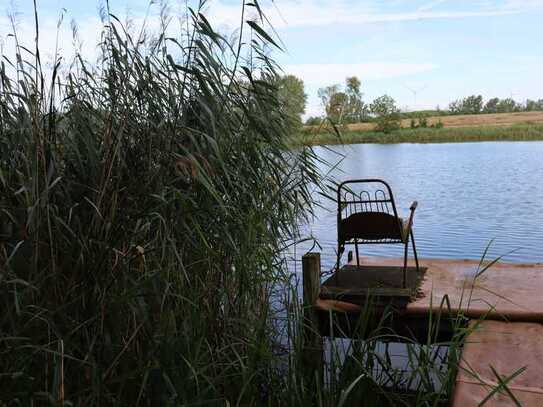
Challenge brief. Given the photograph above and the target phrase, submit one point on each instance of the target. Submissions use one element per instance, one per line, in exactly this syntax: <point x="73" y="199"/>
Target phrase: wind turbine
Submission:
<point x="415" y="91"/>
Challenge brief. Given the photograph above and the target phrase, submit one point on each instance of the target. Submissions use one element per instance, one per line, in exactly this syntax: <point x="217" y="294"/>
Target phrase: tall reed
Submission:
<point x="144" y="203"/>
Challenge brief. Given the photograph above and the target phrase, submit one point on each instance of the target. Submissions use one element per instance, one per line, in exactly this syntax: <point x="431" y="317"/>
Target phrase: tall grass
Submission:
<point x="144" y="203"/>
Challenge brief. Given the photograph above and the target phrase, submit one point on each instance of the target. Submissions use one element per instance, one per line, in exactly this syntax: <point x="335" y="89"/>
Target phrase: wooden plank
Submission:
<point x="337" y="292"/>
<point x="382" y="284"/>
<point x="350" y="276"/>
<point x="312" y="346"/>
<point x="506" y="348"/>
<point x="505" y="291"/>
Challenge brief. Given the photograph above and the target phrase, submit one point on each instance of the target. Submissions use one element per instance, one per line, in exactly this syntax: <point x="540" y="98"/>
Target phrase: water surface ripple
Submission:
<point x="468" y="194"/>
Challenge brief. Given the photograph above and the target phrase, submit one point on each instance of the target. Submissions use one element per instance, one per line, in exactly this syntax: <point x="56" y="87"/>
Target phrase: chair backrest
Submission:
<point x="366" y="211"/>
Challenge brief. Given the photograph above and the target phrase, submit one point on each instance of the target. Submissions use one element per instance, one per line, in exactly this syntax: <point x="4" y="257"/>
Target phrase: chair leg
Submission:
<point x="414" y="250"/>
<point x="356" y="250"/>
<point x="340" y="250"/>
<point x="405" y="263"/>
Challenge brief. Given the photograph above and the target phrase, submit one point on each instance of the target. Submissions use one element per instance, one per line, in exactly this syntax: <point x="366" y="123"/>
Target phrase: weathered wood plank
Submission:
<point x="312" y="346"/>
<point x="505" y="348"/>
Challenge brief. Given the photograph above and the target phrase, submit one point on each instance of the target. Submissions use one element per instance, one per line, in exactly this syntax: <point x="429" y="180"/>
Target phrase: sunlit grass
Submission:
<point x="517" y="132"/>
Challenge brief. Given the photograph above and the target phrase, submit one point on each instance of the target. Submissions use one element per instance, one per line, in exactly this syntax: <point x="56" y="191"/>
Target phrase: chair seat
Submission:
<point x="374" y="226"/>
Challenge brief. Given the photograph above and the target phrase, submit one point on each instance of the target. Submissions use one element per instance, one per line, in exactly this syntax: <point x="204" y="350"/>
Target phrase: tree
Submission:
<point x="332" y="103"/>
<point x="326" y="93"/>
<point x="506" y="106"/>
<point x="356" y="110"/>
<point x="387" y="114"/>
<point x="492" y="105"/>
<point x="344" y="106"/>
<point x="472" y="104"/>
<point x="313" y="121"/>
<point x="337" y="107"/>
<point x="455" y="107"/>
<point x="533" y="105"/>
<point x="292" y="98"/>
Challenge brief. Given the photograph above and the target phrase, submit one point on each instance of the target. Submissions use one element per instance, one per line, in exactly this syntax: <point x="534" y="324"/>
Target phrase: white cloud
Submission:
<point x="523" y="5"/>
<point x="53" y="37"/>
<point x="305" y="13"/>
<point x="326" y="74"/>
<point x="431" y="5"/>
<point x="281" y="13"/>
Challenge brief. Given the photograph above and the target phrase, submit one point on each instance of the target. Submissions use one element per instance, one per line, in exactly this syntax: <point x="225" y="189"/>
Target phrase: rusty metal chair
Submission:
<point x="367" y="214"/>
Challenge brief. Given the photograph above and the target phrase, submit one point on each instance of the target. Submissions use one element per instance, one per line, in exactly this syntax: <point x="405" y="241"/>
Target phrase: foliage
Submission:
<point x="420" y="121"/>
<point x="337" y="107"/>
<point x="387" y="114"/>
<point x="438" y="125"/>
<point x="507" y="105"/>
<point x="144" y="204"/>
<point x="292" y="98"/>
<point x="344" y="106"/>
<point x="357" y="110"/>
<point x="533" y="105"/>
<point x="328" y="98"/>
<point x="491" y="105"/>
<point x="313" y="121"/>
<point x="470" y="105"/>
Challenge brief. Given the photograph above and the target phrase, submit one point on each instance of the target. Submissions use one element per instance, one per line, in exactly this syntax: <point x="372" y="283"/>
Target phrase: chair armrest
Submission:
<point x="411" y="215"/>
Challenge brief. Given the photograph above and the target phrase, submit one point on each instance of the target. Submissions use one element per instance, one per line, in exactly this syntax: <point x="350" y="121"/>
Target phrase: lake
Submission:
<point x="468" y="194"/>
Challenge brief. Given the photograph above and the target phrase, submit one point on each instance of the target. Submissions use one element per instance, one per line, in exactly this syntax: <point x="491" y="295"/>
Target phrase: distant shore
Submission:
<point x="466" y="128"/>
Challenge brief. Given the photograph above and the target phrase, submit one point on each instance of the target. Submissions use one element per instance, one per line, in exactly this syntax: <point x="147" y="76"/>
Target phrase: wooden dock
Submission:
<point x="505" y="301"/>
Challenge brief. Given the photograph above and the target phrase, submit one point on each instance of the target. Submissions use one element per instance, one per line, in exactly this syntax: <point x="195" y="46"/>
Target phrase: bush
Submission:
<point x="313" y="121"/>
<point x="438" y="125"/>
<point x="387" y="115"/>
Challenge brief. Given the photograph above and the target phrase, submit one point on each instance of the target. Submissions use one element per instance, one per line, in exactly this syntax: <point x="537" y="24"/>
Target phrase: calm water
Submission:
<point x="468" y="194"/>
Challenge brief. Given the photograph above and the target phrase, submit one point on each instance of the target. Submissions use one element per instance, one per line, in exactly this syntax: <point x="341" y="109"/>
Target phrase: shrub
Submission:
<point x="438" y="125"/>
<point x="313" y="121"/>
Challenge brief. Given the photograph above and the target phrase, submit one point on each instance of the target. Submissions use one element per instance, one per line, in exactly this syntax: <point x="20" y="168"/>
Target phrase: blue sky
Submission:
<point x="441" y="49"/>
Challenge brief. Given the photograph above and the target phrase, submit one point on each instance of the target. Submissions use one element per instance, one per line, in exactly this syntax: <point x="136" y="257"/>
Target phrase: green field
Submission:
<point x="517" y="132"/>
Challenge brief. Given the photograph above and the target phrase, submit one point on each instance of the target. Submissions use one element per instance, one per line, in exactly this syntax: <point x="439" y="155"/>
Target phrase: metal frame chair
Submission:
<point x="369" y="216"/>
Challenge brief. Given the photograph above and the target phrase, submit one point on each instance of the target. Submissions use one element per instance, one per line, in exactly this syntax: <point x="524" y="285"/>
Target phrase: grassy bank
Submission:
<point x="518" y="132"/>
<point x="464" y="120"/>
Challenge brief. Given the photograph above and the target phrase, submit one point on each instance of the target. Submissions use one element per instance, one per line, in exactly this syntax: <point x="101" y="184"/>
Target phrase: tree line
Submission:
<point x="345" y="105"/>
<point x="475" y="104"/>
<point x="342" y="105"/>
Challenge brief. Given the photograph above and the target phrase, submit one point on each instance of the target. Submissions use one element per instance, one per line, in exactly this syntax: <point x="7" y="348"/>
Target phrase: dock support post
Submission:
<point x="312" y="346"/>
